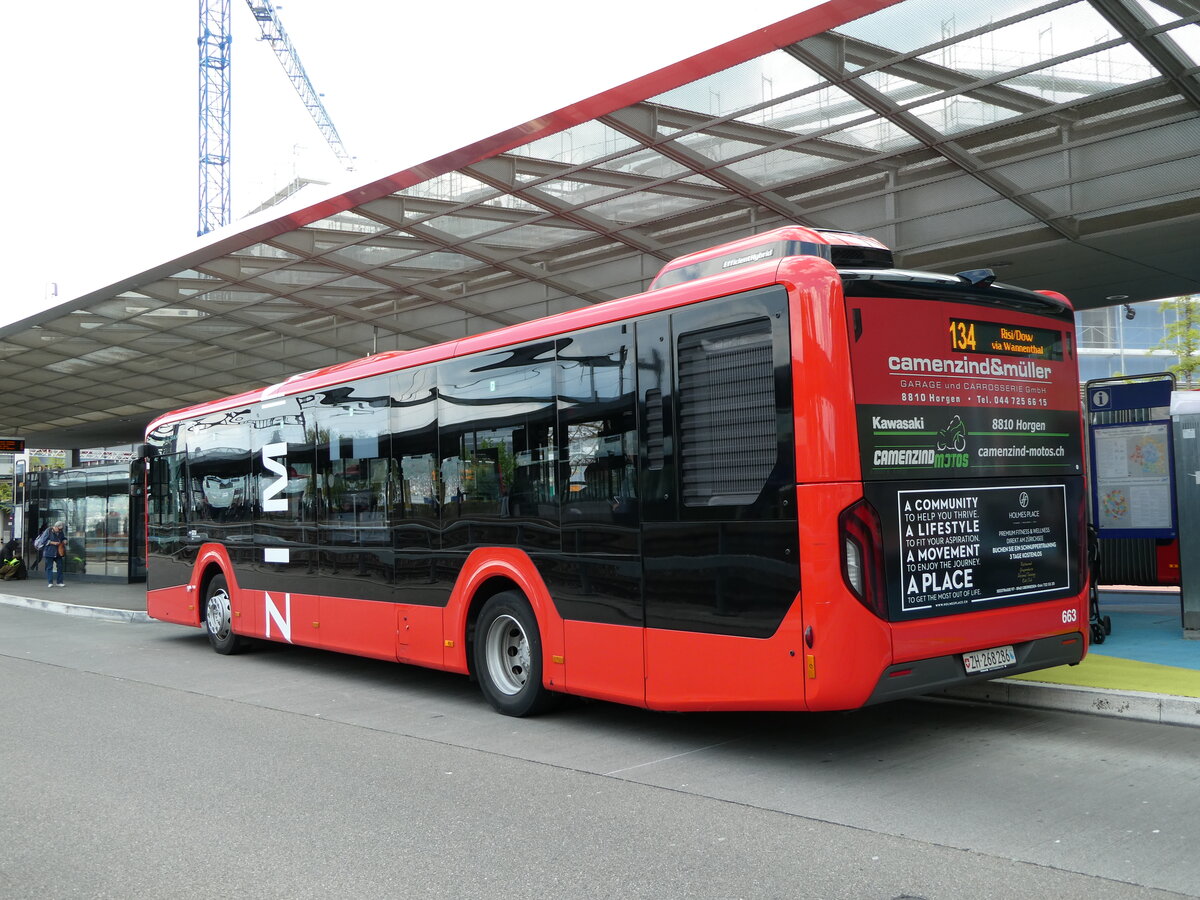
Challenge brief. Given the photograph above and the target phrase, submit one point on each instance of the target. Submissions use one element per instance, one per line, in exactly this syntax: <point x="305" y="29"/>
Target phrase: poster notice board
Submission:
<point x="1132" y="494"/>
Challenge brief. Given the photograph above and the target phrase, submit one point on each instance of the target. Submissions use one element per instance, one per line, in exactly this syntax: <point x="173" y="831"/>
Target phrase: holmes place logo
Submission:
<point x="1023" y="499"/>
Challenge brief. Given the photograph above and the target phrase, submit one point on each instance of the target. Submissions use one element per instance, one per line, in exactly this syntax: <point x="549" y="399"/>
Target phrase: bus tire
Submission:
<point x="218" y="618"/>
<point x="508" y="657"/>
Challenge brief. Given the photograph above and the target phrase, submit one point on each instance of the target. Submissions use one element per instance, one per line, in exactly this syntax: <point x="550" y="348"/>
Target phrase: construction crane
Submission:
<point x="215" y="92"/>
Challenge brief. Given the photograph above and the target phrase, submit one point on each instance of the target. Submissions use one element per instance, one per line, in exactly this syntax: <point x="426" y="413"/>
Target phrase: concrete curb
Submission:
<point x="75" y="609"/>
<point x="1138" y="705"/>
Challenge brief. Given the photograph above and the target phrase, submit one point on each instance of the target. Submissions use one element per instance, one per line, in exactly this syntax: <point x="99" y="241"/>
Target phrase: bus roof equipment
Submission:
<point x="842" y="248"/>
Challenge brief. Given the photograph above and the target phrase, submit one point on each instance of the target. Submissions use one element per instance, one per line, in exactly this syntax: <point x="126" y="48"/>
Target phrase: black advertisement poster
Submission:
<point x="960" y="548"/>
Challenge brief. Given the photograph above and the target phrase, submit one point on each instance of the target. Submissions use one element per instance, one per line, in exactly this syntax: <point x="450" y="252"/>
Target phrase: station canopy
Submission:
<point x="1057" y="143"/>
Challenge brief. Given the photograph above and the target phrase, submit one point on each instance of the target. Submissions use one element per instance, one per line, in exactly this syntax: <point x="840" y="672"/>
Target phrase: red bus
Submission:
<point x="787" y="477"/>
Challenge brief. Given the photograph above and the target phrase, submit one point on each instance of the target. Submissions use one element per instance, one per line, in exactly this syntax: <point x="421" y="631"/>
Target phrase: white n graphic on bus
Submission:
<point x="271" y="502"/>
<point x="282" y="622"/>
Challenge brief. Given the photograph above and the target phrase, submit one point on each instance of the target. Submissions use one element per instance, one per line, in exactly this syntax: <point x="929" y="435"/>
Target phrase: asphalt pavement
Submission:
<point x="1144" y="670"/>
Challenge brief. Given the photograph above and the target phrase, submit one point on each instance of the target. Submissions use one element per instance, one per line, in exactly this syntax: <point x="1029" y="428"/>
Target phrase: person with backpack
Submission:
<point x="53" y="552"/>
<point x="38" y="543"/>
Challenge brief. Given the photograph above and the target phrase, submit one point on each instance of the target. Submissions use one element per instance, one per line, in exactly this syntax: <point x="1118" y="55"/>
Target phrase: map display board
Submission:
<point x="1132" y="493"/>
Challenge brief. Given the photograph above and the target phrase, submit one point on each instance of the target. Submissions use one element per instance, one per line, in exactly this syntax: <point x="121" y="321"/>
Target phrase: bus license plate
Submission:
<point x="987" y="660"/>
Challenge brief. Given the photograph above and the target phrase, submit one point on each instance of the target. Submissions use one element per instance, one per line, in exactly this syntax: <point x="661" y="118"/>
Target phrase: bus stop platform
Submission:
<point x="1145" y="669"/>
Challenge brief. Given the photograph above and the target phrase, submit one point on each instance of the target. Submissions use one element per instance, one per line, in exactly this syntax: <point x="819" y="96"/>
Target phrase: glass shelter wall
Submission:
<point x="101" y="507"/>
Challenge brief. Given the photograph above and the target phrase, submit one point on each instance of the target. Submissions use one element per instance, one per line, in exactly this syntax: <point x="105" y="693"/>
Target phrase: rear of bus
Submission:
<point x="939" y="473"/>
<point x="969" y="539"/>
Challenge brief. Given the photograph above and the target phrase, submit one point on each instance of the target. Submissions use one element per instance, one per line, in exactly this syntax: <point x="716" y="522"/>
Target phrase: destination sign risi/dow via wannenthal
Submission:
<point x="969" y="336"/>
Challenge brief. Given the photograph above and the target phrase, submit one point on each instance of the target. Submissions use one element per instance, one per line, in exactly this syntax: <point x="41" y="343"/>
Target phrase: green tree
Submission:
<point x="1182" y="337"/>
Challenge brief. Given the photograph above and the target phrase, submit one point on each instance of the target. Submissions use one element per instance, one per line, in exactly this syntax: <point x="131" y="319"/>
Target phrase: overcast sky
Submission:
<point x="99" y="163"/>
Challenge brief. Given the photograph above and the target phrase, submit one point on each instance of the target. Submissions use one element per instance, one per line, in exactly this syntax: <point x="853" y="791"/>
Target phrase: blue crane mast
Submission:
<point x="214" y="44"/>
<point x="215" y="92"/>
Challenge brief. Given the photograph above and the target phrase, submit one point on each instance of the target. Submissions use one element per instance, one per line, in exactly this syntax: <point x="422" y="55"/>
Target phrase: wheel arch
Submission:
<point x="211" y="569"/>
<point x="490" y="571"/>
<point x="211" y="561"/>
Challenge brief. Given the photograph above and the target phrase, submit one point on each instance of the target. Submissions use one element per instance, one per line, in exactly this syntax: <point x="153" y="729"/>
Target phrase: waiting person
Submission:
<point x="44" y="531"/>
<point x="54" y="551"/>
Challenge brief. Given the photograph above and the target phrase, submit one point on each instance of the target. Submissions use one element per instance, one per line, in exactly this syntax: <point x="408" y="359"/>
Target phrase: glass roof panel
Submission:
<point x="951" y="115"/>
<point x="509" y="201"/>
<point x="454" y="187"/>
<point x="1028" y="42"/>
<point x="172" y="312"/>
<point x="705" y="181"/>
<point x="781" y="166"/>
<point x="642" y="206"/>
<point x="220" y="301"/>
<point x="578" y="145"/>
<point x="1158" y="14"/>
<point x="462" y="227"/>
<point x="296" y="276"/>
<point x="124" y="306"/>
<point x="198" y="276"/>
<point x="266" y="251"/>
<point x="111" y="355"/>
<point x="899" y="90"/>
<point x="536" y="237"/>
<point x="1187" y="39"/>
<point x="211" y="328"/>
<point x="752" y="83"/>
<point x="1087" y="75"/>
<point x="717" y="148"/>
<point x="645" y="162"/>
<point x="356" y="282"/>
<point x="572" y="192"/>
<point x="71" y="366"/>
<point x="370" y="256"/>
<point x="276" y="310"/>
<point x="914" y="24"/>
<point x="1003" y="143"/>
<point x="879" y="135"/>
<point x="353" y="222"/>
<point x="441" y="261"/>
<point x="161" y="342"/>
<point x="813" y="111"/>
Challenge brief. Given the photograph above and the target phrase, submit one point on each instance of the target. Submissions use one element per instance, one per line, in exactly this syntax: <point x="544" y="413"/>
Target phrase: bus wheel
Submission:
<point x="218" y="618"/>
<point x="508" y="657"/>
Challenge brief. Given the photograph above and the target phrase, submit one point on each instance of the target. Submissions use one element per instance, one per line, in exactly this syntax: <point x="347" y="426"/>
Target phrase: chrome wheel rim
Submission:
<point x="506" y="649"/>
<point x="218" y="614"/>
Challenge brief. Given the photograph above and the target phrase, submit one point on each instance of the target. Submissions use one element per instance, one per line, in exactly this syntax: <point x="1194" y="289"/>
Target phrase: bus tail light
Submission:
<point x="862" y="556"/>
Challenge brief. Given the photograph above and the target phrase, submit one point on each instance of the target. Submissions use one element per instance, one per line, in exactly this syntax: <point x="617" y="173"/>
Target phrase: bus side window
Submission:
<point x="496" y="431"/>
<point x="596" y="415"/>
